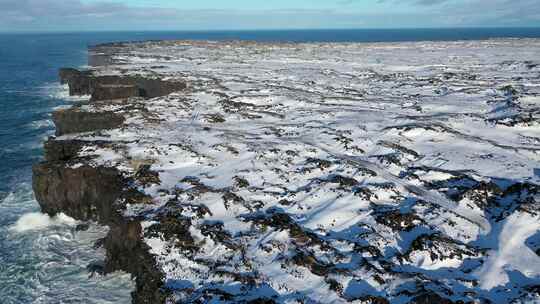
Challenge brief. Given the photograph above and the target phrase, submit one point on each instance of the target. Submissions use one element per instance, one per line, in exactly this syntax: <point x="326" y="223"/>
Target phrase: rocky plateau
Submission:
<point x="246" y="172"/>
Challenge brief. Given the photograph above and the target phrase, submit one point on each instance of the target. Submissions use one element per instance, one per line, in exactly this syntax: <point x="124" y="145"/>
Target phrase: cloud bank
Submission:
<point x="75" y="15"/>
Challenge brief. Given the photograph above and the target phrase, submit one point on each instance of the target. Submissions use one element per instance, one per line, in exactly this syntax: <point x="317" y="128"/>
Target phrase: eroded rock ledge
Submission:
<point x="244" y="172"/>
<point x="70" y="184"/>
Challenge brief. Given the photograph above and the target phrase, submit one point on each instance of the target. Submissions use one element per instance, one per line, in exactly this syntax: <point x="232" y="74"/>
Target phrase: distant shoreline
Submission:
<point x="310" y="35"/>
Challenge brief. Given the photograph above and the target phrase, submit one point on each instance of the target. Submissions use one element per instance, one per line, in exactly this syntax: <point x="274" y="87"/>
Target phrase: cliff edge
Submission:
<point x="243" y="172"/>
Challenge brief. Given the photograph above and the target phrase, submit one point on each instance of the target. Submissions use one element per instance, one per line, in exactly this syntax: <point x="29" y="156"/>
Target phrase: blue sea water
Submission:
<point x="43" y="260"/>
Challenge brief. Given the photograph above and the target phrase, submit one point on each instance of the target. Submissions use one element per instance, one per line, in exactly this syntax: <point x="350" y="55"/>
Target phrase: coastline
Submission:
<point x="98" y="167"/>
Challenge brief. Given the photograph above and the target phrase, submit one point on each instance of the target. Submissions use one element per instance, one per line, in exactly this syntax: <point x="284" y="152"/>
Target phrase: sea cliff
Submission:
<point x="243" y="172"/>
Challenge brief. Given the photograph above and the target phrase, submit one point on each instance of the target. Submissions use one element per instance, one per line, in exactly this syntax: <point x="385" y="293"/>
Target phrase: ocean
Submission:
<point x="42" y="259"/>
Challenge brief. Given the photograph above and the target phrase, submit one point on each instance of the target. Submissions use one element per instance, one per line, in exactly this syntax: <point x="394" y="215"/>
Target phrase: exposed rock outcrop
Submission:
<point x="70" y="184"/>
<point x="79" y="82"/>
<point x="107" y="87"/>
<point x="96" y="193"/>
<point x="75" y="120"/>
<point x="281" y="175"/>
<point x="114" y="91"/>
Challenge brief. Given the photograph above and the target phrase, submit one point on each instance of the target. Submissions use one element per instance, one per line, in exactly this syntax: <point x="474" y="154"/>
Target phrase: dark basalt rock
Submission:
<point x="430" y="298"/>
<point x="95" y="268"/>
<point x="440" y="248"/>
<point x="82" y="227"/>
<point x="282" y="221"/>
<point x="343" y="181"/>
<point x="109" y="87"/>
<point x="114" y="91"/>
<point x="79" y="81"/>
<point x="61" y="150"/>
<point x="374" y="300"/>
<point x="150" y="88"/>
<point x="85" y="193"/>
<point x="74" y="120"/>
<point x="145" y="176"/>
<point x="218" y="234"/>
<point x="97" y="58"/>
<point x="127" y="251"/>
<point x="398" y="221"/>
<point x="173" y="227"/>
<point x="308" y="260"/>
<point x="65" y="150"/>
<point x="92" y="193"/>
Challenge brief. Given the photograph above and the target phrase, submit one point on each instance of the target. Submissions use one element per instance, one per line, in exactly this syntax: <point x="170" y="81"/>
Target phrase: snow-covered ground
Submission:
<point x="330" y="173"/>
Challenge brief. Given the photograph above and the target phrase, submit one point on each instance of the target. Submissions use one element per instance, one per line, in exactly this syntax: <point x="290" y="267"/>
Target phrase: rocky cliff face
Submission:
<point x="110" y="87"/>
<point x="70" y="184"/>
<point x="307" y="173"/>
<point x="97" y="193"/>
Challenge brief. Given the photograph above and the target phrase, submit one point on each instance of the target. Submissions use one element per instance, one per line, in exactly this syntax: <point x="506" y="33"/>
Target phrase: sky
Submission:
<point x="120" y="15"/>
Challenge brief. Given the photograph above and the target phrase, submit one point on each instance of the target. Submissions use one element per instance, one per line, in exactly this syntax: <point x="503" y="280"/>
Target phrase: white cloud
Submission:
<point x="113" y="15"/>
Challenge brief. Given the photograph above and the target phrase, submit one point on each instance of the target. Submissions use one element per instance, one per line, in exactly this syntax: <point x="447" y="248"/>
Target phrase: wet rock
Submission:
<point x="82" y="227"/>
<point x="99" y="243"/>
<point x="96" y="268"/>
<point x="74" y="120"/>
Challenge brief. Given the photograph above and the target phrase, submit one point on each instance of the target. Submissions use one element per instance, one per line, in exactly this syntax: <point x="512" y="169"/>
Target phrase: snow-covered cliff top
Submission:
<point x="333" y="173"/>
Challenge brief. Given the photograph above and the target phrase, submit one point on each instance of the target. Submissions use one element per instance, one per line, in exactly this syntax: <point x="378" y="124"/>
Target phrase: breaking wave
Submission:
<point x="56" y="90"/>
<point x="44" y="259"/>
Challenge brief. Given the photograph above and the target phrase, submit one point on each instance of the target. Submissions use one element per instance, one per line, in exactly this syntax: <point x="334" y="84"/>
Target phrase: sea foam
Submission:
<point x="39" y="221"/>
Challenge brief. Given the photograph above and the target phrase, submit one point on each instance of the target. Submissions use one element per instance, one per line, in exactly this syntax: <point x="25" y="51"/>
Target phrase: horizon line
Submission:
<point x="270" y="29"/>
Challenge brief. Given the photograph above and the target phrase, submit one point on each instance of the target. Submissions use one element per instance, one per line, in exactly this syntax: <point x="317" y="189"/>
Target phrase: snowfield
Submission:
<point x="334" y="172"/>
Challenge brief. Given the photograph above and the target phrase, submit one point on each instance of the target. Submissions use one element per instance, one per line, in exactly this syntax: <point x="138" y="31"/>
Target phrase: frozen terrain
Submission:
<point x="331" y="173"/>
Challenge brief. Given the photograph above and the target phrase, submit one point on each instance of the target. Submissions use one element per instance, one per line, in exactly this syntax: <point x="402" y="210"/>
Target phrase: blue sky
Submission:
<point x="76" y="15"/>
